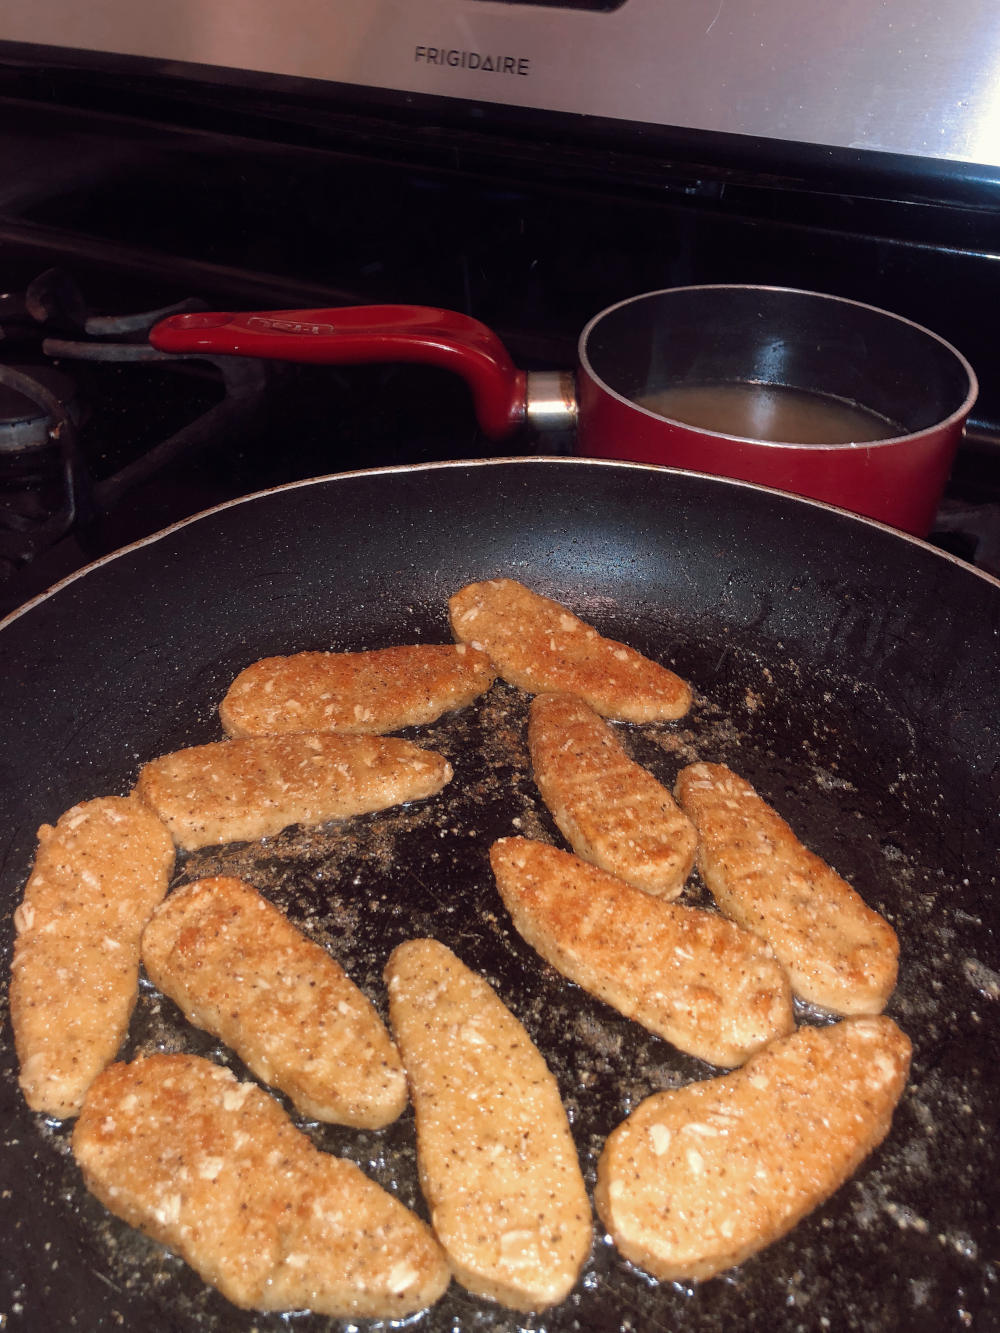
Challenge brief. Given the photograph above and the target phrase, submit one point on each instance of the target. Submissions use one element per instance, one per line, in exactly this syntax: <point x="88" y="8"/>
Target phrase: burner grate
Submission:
<point x="58" y="431"/>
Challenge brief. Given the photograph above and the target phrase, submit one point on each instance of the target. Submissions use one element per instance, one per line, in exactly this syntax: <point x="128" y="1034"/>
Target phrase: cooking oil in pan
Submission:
<point x="771" y="412"/>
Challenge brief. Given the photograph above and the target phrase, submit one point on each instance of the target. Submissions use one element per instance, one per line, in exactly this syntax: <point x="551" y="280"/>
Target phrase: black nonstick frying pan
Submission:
<point x="850" y="673"/>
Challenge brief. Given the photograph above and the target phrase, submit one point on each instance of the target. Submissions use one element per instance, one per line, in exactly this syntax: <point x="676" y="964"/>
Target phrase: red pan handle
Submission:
<point x="357" y="334"/>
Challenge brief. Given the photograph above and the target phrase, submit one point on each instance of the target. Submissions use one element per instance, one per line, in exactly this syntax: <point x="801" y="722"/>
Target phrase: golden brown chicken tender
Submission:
<point x="97" y="876"/>
<point x="364" y="693"/>
<point x="691" y="976"/>
<point x="696" y="1180"/>
<point x="497" y="1162"/>
<point x="839" y="953"/>
<point x="240" y="969"/>
<point x="214" y="1169"/>
<point x="232" y="791"/>
<point x="537" y="644"/>
<point x="611" y="811"/>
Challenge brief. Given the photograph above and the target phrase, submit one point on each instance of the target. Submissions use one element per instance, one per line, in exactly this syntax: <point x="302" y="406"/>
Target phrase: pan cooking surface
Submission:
<point x="821" y="675"/>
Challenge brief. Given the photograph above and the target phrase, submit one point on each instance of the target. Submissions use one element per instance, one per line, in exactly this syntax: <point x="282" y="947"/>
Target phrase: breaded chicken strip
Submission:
<point x="697" y="1180"/>
<point x="537" y="645"/>
<point x="97" y="876"/>
<point x="690" y="976"/>
<point x="233" y="791"/>
<point x="497" y="1163"/>
<point x="839" y="953"/>
<point x="240" y="969"/>
<point x="215" y="1170"/>
<point x="611" y="811"/>
<point x="357" y="693"/>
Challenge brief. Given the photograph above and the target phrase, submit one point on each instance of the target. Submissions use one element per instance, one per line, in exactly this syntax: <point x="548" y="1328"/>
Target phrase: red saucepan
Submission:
<point x="813" y="394"/>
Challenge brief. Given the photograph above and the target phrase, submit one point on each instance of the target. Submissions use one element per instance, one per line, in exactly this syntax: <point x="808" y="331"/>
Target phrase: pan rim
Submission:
<point x="494" y="461"/>
<point x="417" y="502"/>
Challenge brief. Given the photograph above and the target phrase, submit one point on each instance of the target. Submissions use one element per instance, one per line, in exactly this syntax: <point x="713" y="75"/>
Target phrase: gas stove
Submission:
<point x="243" y="155"/>
<point x="125" y="197"/>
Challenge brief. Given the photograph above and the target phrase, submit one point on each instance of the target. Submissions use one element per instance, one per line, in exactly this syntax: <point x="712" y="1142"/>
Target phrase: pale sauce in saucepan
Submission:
<point x="770" y="412"/>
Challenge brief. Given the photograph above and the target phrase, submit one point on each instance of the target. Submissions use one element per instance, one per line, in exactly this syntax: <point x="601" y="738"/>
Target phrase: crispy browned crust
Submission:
<point x="356" y="693"/>
<point x="611" y="810"/>
<point x="240" y="969"/>
<point x="240" y="790"/>
<point x="497" y="1162"/>
<point x="840" y="954"/>
<point x="690" y="976"/>
<point x="538" y="645"/>
<point x="697" y="1180"/>
<point x="97" y="876"/>
<point x="215" y="1170"/>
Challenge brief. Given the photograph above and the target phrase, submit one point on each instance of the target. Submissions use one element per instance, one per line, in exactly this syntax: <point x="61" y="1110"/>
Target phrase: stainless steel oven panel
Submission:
<point x="903" y="76"/>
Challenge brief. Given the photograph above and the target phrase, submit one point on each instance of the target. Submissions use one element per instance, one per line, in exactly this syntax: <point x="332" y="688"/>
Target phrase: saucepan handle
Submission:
<point x="351" y="335"/>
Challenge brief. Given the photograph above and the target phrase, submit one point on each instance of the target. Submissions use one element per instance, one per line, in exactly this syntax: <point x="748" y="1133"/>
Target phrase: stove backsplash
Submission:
<point x="119" y="199"/>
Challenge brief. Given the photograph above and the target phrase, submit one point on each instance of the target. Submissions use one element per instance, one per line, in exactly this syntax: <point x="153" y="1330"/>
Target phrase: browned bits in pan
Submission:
<point x="692" y="1183"/>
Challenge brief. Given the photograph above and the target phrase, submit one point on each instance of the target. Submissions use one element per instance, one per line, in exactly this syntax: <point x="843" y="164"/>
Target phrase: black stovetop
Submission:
<point x="162" y="199"/>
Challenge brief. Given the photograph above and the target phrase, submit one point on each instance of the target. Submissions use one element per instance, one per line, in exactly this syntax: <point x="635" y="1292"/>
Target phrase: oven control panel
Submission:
<point x="900" y="76"/>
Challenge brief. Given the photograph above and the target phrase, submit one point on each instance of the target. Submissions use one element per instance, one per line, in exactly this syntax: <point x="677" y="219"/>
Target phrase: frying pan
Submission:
<point x="847" y="671"/>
